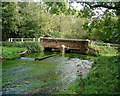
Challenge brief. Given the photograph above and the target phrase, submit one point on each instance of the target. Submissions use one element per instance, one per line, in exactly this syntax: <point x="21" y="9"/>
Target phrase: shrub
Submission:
<point x="8" y="44"/>
<point x="30" y="45"/>
<point x="33" y="46"/>
<point x="11" y="52"/>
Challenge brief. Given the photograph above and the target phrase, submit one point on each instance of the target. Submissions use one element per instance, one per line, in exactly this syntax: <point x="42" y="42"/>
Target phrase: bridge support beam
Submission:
<point x="63" y="50"/>
<point x="21" y="39"/>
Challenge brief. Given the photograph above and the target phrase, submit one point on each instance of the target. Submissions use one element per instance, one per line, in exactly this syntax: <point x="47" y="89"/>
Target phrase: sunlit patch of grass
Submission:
<point x="105" y="50"/>
<point x="11" y="52"/>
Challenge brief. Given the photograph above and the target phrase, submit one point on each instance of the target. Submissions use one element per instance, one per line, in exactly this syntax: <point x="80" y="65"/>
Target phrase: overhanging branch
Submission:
<point x="104" y="6"/>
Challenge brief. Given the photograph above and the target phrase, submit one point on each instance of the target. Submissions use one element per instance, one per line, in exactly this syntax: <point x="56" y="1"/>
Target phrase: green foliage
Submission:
<point x="32" y="20"/>
<point x="9" y="20"/>
<point x="30" y="46"/>
<point x="104" y="25"/>
<point x="105" y="73"/>
<point x="11" y="44"/>
<point x="76" y="30"/>
<point x="104" y="30"/>
<point x="33" y="46"/>
<point x="30" y="24"/>
<point x="105" y="50"/>
<point x="60" y="20"/>
<point x="57" y="7"/>
<point x="12" y="49"/>
<point x="11" y="52"/>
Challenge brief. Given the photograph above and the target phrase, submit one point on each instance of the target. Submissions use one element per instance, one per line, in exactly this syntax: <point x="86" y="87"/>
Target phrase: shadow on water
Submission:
<point x="47" y="76"/>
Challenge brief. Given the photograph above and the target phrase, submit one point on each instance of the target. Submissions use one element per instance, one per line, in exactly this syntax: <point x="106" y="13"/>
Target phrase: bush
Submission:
<point x="8" y="44"/>
<point x="11" y="52"/>
<point x="105" y="50"/>
<point x="12" y="44"/>
<point x="30" y="45"/>
<point x="33" y="46"/>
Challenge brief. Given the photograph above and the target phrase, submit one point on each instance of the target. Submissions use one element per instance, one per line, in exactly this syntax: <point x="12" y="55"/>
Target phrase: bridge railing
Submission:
<point x="102" y="43"/>
<point x="23" y="39"/>
<point x="43" y="38"/>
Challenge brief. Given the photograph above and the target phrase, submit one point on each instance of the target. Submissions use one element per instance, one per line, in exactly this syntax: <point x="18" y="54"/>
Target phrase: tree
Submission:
<point x="30" y="25"/>
<point x="9" y="20"/>
<point x="108" y="31"/>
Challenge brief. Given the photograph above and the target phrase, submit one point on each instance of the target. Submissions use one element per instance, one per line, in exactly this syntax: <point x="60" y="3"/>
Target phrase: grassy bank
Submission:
<point x="12" y="49"/>
<point x="103" y="77"/>
<point x="31" y="46"/>
<point x="11" y="52"/>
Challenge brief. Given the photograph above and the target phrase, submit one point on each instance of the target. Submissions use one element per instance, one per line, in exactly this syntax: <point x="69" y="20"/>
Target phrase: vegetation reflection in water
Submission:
<point x="46" y="76"/>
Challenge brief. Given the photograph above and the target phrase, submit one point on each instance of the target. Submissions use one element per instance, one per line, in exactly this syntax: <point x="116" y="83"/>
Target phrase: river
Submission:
<point x="48" y="76"/>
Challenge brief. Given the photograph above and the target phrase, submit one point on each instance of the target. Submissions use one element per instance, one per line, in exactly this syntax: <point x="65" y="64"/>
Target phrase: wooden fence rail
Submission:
<point x="23" y="39"/>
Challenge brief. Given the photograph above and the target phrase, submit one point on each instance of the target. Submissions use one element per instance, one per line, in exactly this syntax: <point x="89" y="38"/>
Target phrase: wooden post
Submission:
<point x="38" y="39"/>
<point x="108" y="44"/>
<point x="22" y="39"/>
<point x="33" y="39"/>
<point x="11" y="39"/>
<point x="63" y="50"/>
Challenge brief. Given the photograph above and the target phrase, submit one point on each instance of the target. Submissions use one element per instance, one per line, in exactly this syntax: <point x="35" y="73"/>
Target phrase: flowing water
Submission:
<point x="48" y="76"/>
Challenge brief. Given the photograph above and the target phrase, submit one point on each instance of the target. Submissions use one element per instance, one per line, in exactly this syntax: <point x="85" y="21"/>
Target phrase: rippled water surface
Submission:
<point x="48" y="76"/>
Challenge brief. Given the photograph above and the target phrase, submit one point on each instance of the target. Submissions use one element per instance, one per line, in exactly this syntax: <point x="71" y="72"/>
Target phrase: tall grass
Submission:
<point x="11" y="52"/>
<point x="105" y="50"/>
<point x="30" y="45"/>
<point x="11" y="49"/>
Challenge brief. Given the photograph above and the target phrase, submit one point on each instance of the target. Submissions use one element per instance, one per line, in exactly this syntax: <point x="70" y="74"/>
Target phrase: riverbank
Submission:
<point x="12" y="50"/>
<point x="103" y="77"/>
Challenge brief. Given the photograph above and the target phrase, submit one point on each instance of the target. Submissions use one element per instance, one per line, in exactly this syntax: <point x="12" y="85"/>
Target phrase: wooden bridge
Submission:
<point x="72" y="45"/>
<point x="79" y="45"/>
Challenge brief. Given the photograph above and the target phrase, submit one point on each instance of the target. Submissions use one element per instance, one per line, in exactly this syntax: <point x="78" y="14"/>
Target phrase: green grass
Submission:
<point x="12" y="49"/>
<point x="11" y="52"/>
<point x="105" y="50"/>
<point x="103" y="77"/>
<point x="31" y="46"/>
